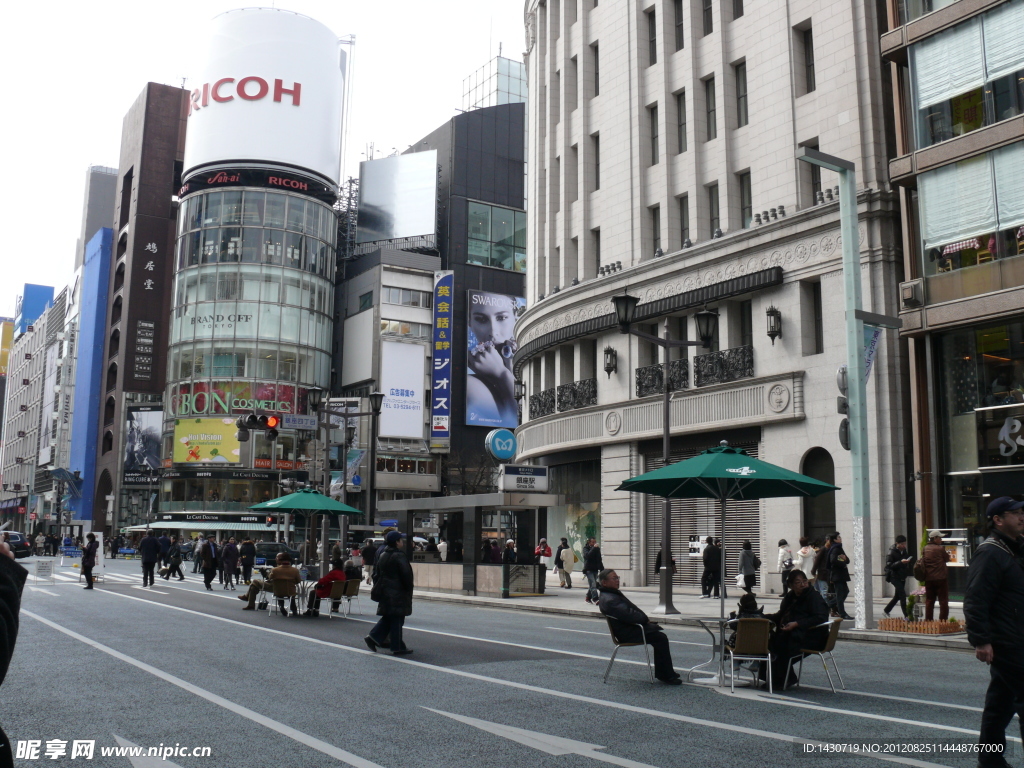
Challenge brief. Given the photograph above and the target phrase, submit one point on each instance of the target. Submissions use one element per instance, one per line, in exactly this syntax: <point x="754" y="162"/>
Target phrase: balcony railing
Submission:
<point x="542" y="403"/>
<point x="649" y="379"/>
<point x="721" y="367"/>
<point x="576" y="394"/>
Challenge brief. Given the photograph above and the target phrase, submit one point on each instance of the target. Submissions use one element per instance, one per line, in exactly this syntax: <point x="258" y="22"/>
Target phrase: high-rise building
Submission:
<point x="663" y="162"/>
<point x="97" y="207"/>
<point x="958" y="96"/>
<point x="499" y="81"/>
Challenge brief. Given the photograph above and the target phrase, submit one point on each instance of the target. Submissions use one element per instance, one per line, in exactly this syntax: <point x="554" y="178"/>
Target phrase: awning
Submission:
<point x="198" y="525"/>
<point x="963" y="245"/>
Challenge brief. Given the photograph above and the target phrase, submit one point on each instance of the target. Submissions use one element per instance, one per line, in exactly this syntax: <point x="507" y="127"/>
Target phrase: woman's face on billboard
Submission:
<point x="493" y="322"/>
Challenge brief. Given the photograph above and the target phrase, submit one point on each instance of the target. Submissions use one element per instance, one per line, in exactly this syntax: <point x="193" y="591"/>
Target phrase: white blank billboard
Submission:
<point x="401" y="374"/>
<point x="270" y="88"/>
<point x="397" y="197"/>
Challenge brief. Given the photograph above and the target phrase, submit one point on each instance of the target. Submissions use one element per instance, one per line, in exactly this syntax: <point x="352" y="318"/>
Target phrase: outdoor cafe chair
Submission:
<point x="751" y="644"/>
<point x="351" y="594"/>
<point x="282" y="590"/>
<point x="337" y="592"/>
<point x="620" y="644"/>
<point x="830" y="644"/>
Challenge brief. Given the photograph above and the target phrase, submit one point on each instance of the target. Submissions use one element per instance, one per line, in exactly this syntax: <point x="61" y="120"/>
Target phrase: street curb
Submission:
<point x="852" y="635"/>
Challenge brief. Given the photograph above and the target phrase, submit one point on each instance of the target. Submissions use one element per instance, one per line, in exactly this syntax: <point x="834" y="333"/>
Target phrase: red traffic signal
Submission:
<point x="273" y="422"/>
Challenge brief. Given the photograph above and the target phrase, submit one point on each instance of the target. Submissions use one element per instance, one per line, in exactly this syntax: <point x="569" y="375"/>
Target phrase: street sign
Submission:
<point x="295" y="421"/>
<point x="389" y="523"/>
<point x="501" y="444"/>
<point x="44" y="571"/>
<point x="31" y="515"/>
<point x="356" y="480"/>
<point x="522" y="478"/>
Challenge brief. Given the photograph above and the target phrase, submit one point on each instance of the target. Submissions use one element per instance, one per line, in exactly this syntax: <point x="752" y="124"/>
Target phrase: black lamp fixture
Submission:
<point x="519" y="389"/>
<point x="687" y="243"/>
<point x="625" y="310"/>
<point x="774" y="324"/>
<point x="611" y="361"/>
<point x="658" y="253"/>
<point x="376" y="401"/>
<point x="314" y="396"/>
<point x="707" y="324"/>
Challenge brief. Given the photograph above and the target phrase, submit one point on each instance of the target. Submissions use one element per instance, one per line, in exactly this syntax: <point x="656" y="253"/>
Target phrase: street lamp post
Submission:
<point x="376" y="402"/>
<point x="707" y="321"/>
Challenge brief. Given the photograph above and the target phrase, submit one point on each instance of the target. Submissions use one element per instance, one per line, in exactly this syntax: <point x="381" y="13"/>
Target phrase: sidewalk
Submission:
<point x="570" y="602"/>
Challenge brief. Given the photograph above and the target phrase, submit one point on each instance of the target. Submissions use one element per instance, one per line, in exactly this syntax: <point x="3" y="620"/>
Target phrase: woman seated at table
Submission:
<point x="323" y="590"/>
<point x="798" y="621"/>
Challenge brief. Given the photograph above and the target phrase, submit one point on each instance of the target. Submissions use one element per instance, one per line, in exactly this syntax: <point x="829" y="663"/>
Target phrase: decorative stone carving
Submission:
<point x="778" y="398"/>
<point x="613" y="423"/>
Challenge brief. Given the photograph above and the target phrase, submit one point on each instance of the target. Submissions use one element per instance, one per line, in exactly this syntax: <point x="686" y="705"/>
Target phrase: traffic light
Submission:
<point x="242" y="435"/>
<point x="270" y="521"/>
<point x="269" y="424"/>
<point x="843" y="407"/>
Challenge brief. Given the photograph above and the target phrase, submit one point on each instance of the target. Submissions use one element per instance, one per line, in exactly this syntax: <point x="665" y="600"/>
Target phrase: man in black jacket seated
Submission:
<point x="631" y="625"/>
<point x="12" y="581"/>
<point x="994" y="609"/>
<point x="798" y="621"/>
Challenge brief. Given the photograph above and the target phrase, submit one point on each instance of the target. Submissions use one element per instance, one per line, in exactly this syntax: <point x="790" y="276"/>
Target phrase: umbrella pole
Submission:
<point x="722" y="569"/>
<point x="665" y="606"/>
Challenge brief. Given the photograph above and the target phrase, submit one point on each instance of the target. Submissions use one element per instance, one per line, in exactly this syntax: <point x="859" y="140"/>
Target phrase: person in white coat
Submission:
<point x="785" y="564"/>
<point x="568" y="559"/>
<point x="442" y="550"/>
<point x="803" y="559"/>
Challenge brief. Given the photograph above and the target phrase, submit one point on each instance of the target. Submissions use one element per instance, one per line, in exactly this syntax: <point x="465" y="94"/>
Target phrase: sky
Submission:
<point x="76" y="68"/>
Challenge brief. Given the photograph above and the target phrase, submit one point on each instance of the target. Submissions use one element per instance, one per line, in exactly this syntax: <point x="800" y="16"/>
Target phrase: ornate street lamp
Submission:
<point x="774" y="323"/>
<point x="519" y="389"/>
<point x="625" y="310"/>
<point x="611" y="361"/>
<point x="707" y="324"/>
<point x="314" y="396"/>
<point x="376" y="402"/>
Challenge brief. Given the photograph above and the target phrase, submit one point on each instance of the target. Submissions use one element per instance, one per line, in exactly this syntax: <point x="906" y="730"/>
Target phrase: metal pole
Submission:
<point x="857" y="398"/>
<point x="371" y="502"/>
<point x="665" y="605"/>
<point x="721" y="570"/>
<point x="325" y="522"/>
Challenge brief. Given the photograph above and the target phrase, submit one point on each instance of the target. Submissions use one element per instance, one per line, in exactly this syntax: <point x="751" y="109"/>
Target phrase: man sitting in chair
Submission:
<point x="631" y="625"/>
<point x="798" y="621"/>
<point x="323" y="590"/>
<point x="256" y="586"/>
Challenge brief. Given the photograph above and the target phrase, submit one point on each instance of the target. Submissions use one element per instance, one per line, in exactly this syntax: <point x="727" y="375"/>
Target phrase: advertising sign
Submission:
<point x="397" y="197"/>
<point x="206" y="441"/>
<point x="401" y="367"/>
<point x="523" y="478"/>
<point x="270" y="88"/>
<point x="441" y="368"/>
<point x="6" y="340"/>
<point x="142" y="444"/>
<point x="209" y="398"/>
<point x="355" y="459"/>
<point x="490" y="384"/>
<point x="501" y="444"/>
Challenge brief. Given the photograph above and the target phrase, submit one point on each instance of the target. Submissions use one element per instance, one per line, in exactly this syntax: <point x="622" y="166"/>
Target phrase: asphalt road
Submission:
<point x="177" y="665"/>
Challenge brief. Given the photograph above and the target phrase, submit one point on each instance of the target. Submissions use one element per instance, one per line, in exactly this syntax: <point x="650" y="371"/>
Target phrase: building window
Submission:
<point x="713" y="218"/>
<point x="656" y="228"/>
<point x="652" y="38"/>
<point x="684" y="219"/>
<point x="681" y="121"/>
<point x="405" y="297"/>
<point x="680" y="37"/>
<point x="815" y="181"/>
<point x="737" y="8"/>
<point x="597" y="162"/>
<point x="497" y="237"/>
<point x="746" y="199"/>
<point x="597" y="70"/>
<point x="709" y="98"/>
<point x="809" y="80"/>
<point x="404" y="328"/>
<point x="653" y="112"/>
<point x="709" y="23"/>
<point x="366" y="301"/>
<point x="746" y="324"/>
<point x="742" y="116"/>
<point x="597" y="246"/>
<point x="819" y="325"/>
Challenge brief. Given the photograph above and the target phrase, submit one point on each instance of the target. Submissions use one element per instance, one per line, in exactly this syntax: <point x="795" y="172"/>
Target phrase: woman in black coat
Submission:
<point x="247" y="557"/>
<point x="174" y="556"/>
<point x="89" y="559"/>
<point x="392" y="591"/>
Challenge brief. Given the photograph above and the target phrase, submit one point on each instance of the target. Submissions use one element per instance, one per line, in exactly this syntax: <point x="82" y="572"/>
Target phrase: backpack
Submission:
<point x="377" y="590"/>
<point x="757" y="563"/>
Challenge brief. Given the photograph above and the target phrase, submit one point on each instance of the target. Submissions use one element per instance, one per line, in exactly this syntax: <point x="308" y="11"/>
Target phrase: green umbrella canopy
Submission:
<point x="725" y="473"/>
<point x="306" y="500"/>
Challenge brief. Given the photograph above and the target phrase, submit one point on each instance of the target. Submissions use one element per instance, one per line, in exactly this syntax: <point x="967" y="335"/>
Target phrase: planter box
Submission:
<point x="921" y="627"/>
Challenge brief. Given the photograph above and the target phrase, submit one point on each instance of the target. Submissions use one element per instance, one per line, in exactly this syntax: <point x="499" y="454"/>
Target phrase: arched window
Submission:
<point x="819" y="511"/>
<point x="108" y="441"/>
<point x="111" y="377"/>
<point x="119" y="276"/>
<point x="108" y="412"/>
<point x="115" y="343"/>
<point x="115" y="311"/>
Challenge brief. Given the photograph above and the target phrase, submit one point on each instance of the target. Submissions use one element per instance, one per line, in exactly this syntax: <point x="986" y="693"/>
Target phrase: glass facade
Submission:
<point x="969" y="76"/>
<point x="912" y="9"/>
<point x="251" y="322"/>
<point x="500" y="81"/>
<point x="497" y="237"/>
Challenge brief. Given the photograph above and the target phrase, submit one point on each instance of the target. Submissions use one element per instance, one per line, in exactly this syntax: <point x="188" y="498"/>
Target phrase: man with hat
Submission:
<point x="994" y="609"/>
<point x="936" y="577"/>
<point x="392" y="591"/>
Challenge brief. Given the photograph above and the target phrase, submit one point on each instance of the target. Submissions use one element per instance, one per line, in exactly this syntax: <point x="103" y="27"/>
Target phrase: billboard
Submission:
<point x="270" y="89"/>
<point x="441" y="369"/>
<point x="6" y="340"/>
<point x="490" y="383"/>
<point x="209" y="398"/>
<point x="206" y="441"/>
<point x="397" y="197"/>
<point x="401" y="374"/>
<point x="142" y="444"/>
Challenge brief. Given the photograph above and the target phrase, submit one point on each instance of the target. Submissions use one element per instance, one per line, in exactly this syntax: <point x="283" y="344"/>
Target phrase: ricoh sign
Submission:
<point x="271" y="91"/>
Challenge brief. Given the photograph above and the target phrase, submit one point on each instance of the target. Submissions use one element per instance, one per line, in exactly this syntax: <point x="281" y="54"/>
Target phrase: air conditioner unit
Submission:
<point x="19" y="460"/>
<point x="61" y="336"/>
<point x="56" y="389"/>
<point x="22" y="407"/>
<point x="25" y="382"/>
<point x="21" y="433"/>
<point x="912" y="294"/>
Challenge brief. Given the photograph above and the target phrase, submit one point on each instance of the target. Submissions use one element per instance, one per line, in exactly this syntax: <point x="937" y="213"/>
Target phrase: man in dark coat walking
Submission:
<point x="898" y="566"/>
<point x="392" y="591"/>
<point x="149" y="552"/>
<point x="165" y="547"/>
<point x="839" y="574"/>
<point x="631" y="625"/>
<point x="12" y="582"/>
<point x="210" y="554"/>
<point x="994" y="609"/>
<point x="592" y="565"/>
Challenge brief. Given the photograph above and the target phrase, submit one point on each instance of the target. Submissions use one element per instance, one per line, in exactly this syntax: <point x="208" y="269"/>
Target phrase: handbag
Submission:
<point x="919" y="570"/>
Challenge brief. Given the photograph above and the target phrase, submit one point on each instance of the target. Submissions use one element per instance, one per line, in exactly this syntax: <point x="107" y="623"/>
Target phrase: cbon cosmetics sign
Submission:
<point x="270" y="89"/>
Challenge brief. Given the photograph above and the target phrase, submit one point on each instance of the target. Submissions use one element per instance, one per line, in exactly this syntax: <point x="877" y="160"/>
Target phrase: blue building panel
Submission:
<point x="31" y="304"/>
<point x="89" y="369"/>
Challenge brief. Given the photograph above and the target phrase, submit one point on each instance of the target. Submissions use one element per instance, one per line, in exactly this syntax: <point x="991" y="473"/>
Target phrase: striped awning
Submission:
<point x="963" y="245"/>
<point x="197" y="525"/>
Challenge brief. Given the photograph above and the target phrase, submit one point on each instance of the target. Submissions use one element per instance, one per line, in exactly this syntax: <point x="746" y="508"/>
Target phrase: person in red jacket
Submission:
<point x="323" y="590"/>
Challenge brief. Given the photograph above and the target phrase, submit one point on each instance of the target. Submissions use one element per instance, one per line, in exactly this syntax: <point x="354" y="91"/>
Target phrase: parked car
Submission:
<point x="20" y="545"/>
<point x="268" y="551"/>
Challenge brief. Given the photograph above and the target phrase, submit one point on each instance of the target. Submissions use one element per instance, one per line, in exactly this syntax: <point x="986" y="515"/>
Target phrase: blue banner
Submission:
<point x="441" y="367"/>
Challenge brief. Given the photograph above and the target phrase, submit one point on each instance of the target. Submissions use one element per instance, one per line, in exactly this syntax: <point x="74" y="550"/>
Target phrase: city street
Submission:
<point x="177" y="665"/>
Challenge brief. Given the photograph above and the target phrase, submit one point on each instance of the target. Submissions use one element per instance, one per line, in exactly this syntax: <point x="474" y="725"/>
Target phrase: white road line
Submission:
<point x="150" y="589"/>
<point x="605" y="634"/>
<point x="191" y="688"/>
<point x="550" y="692"/>
<point x="848" y="692"/>
<point x="44" y="591"/>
